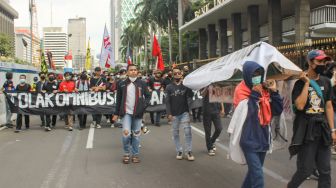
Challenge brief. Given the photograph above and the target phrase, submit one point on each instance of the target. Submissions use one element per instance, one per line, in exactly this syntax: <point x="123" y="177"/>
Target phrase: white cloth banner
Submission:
<point x="224" y="68"/>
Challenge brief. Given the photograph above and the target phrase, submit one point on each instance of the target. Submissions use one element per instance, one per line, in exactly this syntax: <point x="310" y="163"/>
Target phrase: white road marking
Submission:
<point x="266" y="170"/>
<point x="89" y="143"/>
<point x="57" y="164"/>
<point x="64" y="174"/>
<point x="2" y="128"/>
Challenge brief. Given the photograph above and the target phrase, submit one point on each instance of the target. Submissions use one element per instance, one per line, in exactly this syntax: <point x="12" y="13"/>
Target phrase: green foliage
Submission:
<point x="6" y="46"/>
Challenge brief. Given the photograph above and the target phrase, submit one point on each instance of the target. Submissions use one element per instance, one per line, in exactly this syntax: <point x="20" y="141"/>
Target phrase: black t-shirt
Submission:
<point x="50" y="86"/>
<point x="94" y="82"/>
<point x="314" y="104"/>
<point x="25" y="88"/>
<point x="155" y="84"/>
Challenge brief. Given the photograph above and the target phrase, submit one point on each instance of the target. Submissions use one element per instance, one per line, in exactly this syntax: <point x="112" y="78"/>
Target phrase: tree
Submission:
<point x="6" y="47"/>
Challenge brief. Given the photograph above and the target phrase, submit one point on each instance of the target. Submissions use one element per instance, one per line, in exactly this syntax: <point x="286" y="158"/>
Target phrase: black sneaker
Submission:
<point x="190" y="156"/>
<point x="17" y="131"/>
<point x="179" y="155"/>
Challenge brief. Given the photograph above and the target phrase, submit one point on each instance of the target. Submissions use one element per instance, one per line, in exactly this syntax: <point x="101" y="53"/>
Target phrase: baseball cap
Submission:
<point x="318" y="55"/>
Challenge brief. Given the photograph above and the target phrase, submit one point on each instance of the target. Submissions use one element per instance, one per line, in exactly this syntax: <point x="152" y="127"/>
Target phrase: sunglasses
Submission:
<point x="177" y="73"/>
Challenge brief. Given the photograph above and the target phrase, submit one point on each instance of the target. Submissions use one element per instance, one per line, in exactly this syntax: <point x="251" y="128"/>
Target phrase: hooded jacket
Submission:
<point x="254" y="136"/>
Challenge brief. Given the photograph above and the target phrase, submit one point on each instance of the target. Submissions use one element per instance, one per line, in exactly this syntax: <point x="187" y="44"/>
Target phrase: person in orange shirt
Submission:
<point x="68" y="86"/>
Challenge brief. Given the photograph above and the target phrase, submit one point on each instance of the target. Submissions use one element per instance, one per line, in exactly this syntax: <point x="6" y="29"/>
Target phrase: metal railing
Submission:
<point x="324" y="14"/>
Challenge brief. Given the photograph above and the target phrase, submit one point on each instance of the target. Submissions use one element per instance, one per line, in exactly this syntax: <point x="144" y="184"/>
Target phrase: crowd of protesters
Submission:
<point x="255" y="98"/>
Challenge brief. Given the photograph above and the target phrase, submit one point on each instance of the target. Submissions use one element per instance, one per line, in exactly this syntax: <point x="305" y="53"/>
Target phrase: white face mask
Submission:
<point x="132" y="79"/>
<point x="22" y="81"/>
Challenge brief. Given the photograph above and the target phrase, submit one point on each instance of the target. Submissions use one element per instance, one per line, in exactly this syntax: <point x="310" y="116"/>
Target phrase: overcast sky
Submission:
<point x="96" y="12"/>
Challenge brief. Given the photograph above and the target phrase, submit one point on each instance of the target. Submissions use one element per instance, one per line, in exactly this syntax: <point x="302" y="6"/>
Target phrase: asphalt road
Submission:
<point x="38" y="159"/>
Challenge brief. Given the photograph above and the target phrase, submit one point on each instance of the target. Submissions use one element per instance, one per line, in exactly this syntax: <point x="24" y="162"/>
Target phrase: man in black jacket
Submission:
<point x="51" y="86"/>
<point x="132" y="99"/>
<point x="177" y="97"/>
<point x="24" y="88"/>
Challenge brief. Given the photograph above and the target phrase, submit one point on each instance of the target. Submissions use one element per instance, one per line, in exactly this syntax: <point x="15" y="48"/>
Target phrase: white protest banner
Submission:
<point x="225" y="67"/>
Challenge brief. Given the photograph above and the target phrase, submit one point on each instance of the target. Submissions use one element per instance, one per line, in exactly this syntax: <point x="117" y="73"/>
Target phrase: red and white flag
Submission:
<point x="106" y="55"/>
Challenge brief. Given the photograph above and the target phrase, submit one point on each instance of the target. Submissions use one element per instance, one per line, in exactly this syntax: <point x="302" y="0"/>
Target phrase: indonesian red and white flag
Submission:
<point x="107" y="55"/>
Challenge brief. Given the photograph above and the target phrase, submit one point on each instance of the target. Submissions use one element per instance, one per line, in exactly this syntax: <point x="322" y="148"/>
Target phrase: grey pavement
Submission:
<point x="60" y="159"/>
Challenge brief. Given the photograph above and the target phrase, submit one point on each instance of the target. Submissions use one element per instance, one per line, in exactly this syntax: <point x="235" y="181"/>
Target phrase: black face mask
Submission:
<point x="177" y="79"/>
<point x="43" y="77"/>
<point x="319" y="69"/>
<point x="51" y="79"/>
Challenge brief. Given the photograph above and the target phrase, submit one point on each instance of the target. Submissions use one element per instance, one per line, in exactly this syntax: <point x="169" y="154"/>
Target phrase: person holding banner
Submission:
<point x="97" y="84"/>
<point x="255" y="103"/>
<point x="177" y="97"/>
<point x="313" y="126"/>
<point x="68" y="86"/>
<point x="82" y="85"/>
<point x="51" y="86"/>
<point x="132" y="99"/>
<point x="212" y="113"/>
<point x="39" y="87"/>
<point x="155" y="84"/>
<point x="22" y="87"/>
<point x="8" y="86"/>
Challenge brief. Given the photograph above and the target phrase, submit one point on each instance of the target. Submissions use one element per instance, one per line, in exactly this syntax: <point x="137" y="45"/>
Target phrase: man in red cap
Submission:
<point x="313" y="126"/>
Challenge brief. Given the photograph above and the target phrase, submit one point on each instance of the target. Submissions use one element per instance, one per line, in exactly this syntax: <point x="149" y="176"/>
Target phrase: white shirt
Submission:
<point x="130" y="98"/>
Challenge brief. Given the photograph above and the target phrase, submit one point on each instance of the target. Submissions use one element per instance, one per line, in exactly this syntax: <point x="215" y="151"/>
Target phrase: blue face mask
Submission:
<point x="256" y="80"/>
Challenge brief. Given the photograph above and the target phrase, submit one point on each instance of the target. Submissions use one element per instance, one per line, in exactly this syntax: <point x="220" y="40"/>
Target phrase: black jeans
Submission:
<point x="198" y="114"/>
<point x="311" y="155"/>
<point x="19" y="121"/>
<point x="157" y="119"/>
<point x="52" y="121"/>
<point x="207" y="119"/>
<point x="97" y="118"/>
<point x="82" y="120"/>
<point x="43" y="120"/>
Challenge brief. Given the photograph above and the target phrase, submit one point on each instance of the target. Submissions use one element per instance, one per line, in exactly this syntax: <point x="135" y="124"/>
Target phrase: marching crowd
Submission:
<point x="256" y="101"/>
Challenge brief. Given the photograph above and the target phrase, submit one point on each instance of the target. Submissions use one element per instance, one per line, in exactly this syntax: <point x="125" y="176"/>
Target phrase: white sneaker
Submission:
<point x="93" y="124"/>
<point x="98" y="126"/>
<point x="47" y="129"/>
<point x="190" y="156"/>
<point x="211" y="152"/>
<point x="179" y="156"/>
<point x="108" y="121"/>
<point x="70" y="128"/>
<point x="112" y="126"/>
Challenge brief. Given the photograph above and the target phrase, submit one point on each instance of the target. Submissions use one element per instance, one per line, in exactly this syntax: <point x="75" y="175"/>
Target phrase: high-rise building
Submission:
<point x="55" y="41"/>
<point x="7" y="16"/>
<point x="22" y="45"/>
<point x="127" y="11"/>
<point x="77" y="42"/>
<point x="121" y="12"/>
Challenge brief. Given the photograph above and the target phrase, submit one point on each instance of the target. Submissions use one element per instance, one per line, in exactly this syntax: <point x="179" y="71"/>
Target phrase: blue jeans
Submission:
<point x="184" y="121"/>
<point x="131" y="134"/>
<point x="255" y="175"/>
